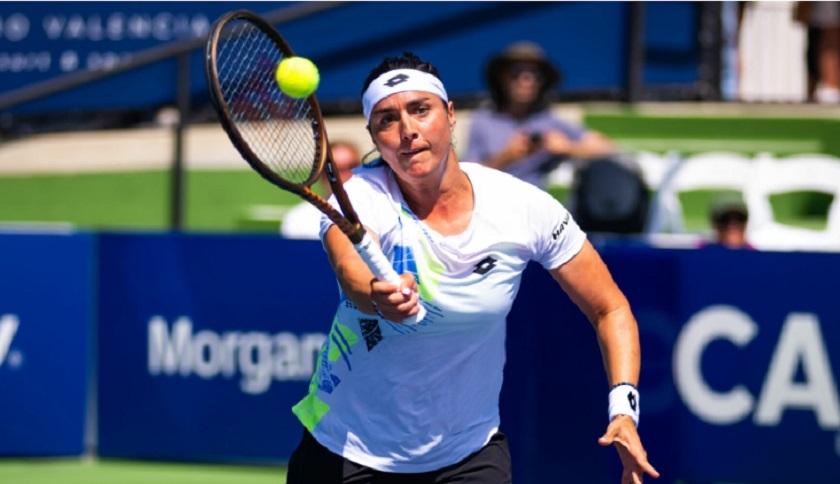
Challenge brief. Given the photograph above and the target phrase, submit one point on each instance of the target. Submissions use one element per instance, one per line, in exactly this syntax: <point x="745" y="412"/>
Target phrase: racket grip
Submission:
<point x="372" y="254"/>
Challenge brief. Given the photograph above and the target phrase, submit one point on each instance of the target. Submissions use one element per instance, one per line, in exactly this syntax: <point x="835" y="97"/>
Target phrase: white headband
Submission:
<point x="400" y="80"/>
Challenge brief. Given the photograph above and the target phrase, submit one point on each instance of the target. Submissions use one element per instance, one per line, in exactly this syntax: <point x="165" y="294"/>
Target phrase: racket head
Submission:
<point x="281" y="137"/>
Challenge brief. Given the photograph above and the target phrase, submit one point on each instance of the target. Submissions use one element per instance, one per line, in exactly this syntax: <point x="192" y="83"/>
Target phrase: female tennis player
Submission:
<point x="403" y="403"/>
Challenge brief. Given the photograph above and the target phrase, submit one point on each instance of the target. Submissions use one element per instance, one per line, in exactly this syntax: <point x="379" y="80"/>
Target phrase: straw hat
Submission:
<point x="524" y="52"/>
<point x="519" y="52"/>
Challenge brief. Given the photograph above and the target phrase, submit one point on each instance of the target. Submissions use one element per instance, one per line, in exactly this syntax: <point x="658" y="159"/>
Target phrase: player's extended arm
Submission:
<point x="587" y="281"/>
<point x="359" y="284"/>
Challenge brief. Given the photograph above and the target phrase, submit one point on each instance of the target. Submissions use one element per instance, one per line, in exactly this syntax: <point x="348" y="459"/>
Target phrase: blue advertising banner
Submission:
<point x="205" y="343"/>
<point x="588" y="41"/>
<point x="44" y="40"/>
<point x="741" y="355"/>
<point x="46" y="312"/>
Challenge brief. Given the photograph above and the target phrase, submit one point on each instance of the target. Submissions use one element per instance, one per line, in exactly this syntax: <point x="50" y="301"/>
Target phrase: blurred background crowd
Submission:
<point x="640" y="117"/>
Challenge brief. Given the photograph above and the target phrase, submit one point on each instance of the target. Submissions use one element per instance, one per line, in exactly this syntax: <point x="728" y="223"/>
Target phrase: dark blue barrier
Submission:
<point x="740" y="358"/>
<point x="741" y="355"/>
<point x="206" y="342"/>
<point x="46" y="310"/>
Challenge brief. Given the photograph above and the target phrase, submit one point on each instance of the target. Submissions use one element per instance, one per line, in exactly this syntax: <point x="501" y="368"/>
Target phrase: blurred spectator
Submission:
<point x="824" y="17"/>
<point x="610" y="195"/>
<point x="728" y="217"/>
<point x="303" y="220"/>
<point x="519" y="134"/>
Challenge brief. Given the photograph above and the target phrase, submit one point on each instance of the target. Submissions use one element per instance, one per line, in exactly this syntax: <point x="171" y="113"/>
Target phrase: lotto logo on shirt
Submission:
<point x="486" y="264"/>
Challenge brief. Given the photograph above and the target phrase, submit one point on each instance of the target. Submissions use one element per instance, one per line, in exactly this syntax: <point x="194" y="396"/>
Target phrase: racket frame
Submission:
<point x="347" y="220"/>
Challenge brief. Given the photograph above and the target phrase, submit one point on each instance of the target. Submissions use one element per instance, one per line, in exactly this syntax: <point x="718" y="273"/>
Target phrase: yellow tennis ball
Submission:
<point x="297" y="77"/>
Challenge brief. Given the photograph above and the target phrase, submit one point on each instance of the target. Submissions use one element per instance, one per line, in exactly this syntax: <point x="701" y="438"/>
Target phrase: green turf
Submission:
<point x="749" y="135"/>
<point x="75" y="471"/>
<point x="231" y="200"/>
<point x="804" y="209"/>
<point x="238" y="200"/>
<point x="215" y="200"/>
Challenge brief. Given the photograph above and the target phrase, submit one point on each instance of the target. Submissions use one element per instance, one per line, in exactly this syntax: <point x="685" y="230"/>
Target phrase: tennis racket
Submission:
<point x="284" y="139"/>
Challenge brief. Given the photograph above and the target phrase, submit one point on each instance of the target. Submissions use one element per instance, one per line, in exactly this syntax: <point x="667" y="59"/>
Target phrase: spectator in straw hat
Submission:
<point x="519" y="134"/>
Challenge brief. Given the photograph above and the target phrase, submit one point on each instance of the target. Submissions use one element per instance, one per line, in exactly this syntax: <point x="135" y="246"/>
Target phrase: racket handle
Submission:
<point x="372" y="255"/>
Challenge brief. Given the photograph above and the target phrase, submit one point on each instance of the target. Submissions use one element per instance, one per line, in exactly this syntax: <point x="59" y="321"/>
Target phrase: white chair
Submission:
<point x="812" y="173"/>
<point x="715" y="170"/>
<point x="562" y="176"/>
<point x="653" y="166"/>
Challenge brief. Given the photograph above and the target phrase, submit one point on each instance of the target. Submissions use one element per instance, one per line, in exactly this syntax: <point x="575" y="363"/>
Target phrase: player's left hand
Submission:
<point x="622" y="433"/>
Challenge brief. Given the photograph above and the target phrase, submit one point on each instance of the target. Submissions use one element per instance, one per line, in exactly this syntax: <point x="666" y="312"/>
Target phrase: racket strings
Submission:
<point x="276" y="127"/>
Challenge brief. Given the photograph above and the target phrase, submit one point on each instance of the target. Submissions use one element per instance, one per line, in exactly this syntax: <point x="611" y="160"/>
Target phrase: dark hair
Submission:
<point x="408" y="60"/>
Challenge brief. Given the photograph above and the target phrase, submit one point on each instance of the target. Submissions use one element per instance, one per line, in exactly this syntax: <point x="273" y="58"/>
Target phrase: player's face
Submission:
<point x="413" y="132"/>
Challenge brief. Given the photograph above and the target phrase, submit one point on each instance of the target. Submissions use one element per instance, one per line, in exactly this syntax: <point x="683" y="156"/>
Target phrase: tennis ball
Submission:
<point x="297" y="77"/>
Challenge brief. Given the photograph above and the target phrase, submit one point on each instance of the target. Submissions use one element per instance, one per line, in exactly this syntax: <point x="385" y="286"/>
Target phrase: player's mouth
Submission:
<point x="411" y="153"/>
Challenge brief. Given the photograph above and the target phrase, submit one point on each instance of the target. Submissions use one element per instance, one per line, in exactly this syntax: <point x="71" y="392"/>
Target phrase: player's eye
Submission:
<point x="385" y="120"/>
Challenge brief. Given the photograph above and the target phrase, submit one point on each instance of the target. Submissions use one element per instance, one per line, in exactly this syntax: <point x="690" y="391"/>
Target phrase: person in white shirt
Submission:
<point x="303" y="221"/>
<point x="398" y="402"/>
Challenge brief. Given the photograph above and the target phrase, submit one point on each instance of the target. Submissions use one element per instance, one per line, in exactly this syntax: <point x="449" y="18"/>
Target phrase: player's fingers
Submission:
<point x="638" y="455"/>
<point x="408" y="281"/>
<point x="382" y="288"/>
<point x="607" y="438"/>
<point x="610" y="434"/>
<point x="398" y="297"/>
<point x="649" y="469"/>
<point x="408" y="305"/>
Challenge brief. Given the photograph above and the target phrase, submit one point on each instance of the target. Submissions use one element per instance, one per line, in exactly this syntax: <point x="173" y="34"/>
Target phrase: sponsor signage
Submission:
<point x="255" y="358"/>
<point x="46" y="298"/>
<point x="206" y="342"/>
<point x="739" y="378"/>
<point x="44" y="40"/>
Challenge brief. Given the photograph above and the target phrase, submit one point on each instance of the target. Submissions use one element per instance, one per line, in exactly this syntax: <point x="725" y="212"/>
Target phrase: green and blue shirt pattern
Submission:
<point x="416" y="398"/>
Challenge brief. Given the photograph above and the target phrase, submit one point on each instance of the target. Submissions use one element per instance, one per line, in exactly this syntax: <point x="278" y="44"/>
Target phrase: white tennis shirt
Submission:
<point x="416" y="398"/>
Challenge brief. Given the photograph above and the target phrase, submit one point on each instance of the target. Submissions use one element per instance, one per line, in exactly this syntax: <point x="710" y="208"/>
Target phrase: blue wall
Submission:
<point x="205" y="341"/>
<point x="47" y="291"/>
<point x="42" y="40"/>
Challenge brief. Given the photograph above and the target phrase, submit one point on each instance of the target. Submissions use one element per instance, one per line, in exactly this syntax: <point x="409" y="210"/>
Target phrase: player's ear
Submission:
<point x="450" y="114"/>
<point x="372" y="137"/>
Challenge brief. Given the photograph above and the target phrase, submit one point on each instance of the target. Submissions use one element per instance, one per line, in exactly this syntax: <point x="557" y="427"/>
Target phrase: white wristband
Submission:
<point x="624" y="400"/>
